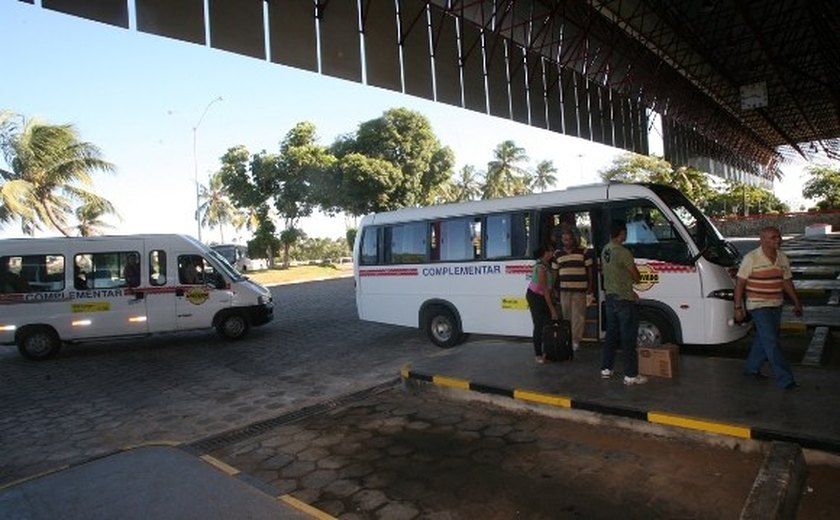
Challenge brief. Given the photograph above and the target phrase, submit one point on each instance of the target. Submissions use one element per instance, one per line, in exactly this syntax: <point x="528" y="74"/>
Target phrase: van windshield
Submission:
<point x="224" y="266"/>
<point x="706" y="236"/>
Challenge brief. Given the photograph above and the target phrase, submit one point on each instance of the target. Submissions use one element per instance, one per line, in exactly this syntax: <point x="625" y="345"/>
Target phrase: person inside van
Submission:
<point x="640" y="231"/>
<point x="190" y="270"/>
<point x="9" y="281"/>
<point x="131" y="271"/>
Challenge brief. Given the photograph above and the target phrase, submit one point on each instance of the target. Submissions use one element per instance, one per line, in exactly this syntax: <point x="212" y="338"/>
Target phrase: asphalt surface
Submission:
<point x="291" y="409"/>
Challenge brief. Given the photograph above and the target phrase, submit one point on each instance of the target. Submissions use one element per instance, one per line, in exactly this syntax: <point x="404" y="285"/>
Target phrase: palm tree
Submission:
<point x="50" y="170"/>
<point x="215" y="208"/>
<point x="505" y="177"/>
<point x="543" y="177"/>
<point x="89" y="219"/>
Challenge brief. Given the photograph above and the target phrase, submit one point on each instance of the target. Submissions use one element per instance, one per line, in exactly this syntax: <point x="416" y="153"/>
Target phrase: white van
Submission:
<point x="54" y="290"/>
<point x="237" y="256"/>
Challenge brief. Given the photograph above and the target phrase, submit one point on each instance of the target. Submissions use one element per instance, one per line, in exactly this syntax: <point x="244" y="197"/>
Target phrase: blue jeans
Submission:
<point x="765" y="345"/>
<point x="622" y="330"/>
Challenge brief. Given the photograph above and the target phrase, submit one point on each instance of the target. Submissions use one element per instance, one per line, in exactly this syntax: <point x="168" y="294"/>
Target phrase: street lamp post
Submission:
<point x="195" y="164"/>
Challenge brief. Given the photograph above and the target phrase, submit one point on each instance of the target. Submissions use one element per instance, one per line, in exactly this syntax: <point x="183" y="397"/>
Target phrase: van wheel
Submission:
<point x="38" y="343"/>
<point x="442" y="328"/>
<point x="232" y="326"/>
<point x="654" y="329"/>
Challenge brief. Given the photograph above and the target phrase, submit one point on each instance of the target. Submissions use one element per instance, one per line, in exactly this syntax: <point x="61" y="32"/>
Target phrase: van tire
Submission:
<point x="654" y="329"/>
<point x="38" y="343"/>
<point x="232" y="326"/>
<point x="442" y="327"/>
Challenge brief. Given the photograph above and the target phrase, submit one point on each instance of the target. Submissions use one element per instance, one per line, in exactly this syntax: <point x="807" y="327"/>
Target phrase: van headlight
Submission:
<point x="723" y="294"/>
<point x="263" y="299"/>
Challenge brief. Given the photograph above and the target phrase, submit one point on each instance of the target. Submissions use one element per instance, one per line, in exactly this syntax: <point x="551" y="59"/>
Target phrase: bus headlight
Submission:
<point x="723" y="294"/>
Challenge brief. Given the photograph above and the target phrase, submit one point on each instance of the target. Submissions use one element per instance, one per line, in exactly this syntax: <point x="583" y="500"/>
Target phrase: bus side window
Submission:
<point x="369" y="253"/>
<point x="408" y="243"/>
<point x="452" y="240"/>
<point x="507" y="235"/>
<point x="157" y="267"/>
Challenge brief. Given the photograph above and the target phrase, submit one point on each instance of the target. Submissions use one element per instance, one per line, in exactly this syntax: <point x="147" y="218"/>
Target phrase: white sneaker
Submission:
<point x="606" y="373"/>
<point x="575" y="346"/>
<point x="638" y="380"/>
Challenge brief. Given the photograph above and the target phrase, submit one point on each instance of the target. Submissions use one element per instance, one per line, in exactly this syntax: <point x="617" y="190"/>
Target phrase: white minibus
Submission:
<point x="237" y="256"/>
<point x="463" y="268"/>
<point x="55" y="290"/>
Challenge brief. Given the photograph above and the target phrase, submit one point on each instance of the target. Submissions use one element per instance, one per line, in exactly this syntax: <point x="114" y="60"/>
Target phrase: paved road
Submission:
<point x="95" y="398"/>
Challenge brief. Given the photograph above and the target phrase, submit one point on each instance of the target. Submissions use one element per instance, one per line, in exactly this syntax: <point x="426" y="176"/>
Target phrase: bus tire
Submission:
<point x="654" y="329"/>
<point x="38" y="343"/>
<point x="232" y="326"/>
<point x="442" y="327"/>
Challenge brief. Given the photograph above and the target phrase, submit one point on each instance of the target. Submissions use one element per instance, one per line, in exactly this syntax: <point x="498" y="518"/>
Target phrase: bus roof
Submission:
<point x="569" y="196"/>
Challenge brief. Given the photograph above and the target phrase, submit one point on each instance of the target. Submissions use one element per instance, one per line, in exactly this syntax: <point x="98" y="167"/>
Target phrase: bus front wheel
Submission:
<point x="232" y="326"/>
<point x="654" y="329"/>
<point x="442" y="327"/>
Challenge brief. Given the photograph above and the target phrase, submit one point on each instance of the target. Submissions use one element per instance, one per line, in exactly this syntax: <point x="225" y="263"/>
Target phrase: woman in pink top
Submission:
<point x="539" y="297"/>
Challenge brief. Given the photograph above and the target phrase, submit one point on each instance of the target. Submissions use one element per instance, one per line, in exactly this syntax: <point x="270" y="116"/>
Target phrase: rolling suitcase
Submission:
<point x="557" y="341"/>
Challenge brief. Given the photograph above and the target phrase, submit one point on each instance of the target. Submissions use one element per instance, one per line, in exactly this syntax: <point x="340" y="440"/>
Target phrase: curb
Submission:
<point x="778" y="486"/>
<point x="740" y="431"/>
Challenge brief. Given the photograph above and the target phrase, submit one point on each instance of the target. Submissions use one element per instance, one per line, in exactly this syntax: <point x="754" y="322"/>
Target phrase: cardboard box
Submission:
<point x="660" y="361"/>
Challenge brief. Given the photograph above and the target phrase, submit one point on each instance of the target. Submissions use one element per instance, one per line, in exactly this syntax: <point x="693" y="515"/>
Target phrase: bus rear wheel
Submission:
<point x="442" y="327"/>
<point x="38" y="343"/>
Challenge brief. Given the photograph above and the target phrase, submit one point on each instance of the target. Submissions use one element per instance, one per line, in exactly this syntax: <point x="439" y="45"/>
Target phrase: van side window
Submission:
<point x="157" y="267"/>
<point x="369" y="253"/>
<point x="106" y="270"/>
<point x="190" y="269"/>
<point x="650" y="234"/>
<point x="31" y="273"/>
<point x="407" y="243"/>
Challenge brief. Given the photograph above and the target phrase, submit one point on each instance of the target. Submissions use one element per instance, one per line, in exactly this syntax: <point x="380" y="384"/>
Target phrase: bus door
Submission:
<point x="670" y="285"/>
<point x="197" y="296"/>
<point x="107" y="298"/>
<point x="585" y="225"/>
<point x="160" y="293"/>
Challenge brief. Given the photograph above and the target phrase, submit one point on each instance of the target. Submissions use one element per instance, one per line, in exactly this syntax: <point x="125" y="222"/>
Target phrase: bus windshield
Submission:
<point x="712" y="245"/>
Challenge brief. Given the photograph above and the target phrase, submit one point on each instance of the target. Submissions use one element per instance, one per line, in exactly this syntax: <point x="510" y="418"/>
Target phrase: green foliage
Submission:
<point x="543" y="177"/>
<point x="325" y="249"/>
<point x="265" y="242"/>
<point x="738" y="198"/>
<point x="388" y="163"/>
<point x="465" y="186"/>
<point x="824" y="186"/>
<point x="506" y="175"/>
<point x="350" y="237"/>
<point x="215" y="207"/>
<point x="49" y="171"/>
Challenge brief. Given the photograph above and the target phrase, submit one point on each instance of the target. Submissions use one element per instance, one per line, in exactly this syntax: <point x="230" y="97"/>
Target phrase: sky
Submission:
<point x="138" y="97"/>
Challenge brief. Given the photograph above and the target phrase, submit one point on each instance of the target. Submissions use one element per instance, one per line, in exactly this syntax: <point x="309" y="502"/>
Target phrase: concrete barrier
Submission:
<point x="777" y="488"/>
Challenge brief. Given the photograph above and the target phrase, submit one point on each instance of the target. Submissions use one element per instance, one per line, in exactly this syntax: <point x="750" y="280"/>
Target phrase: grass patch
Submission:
<point x="299" y="273"/>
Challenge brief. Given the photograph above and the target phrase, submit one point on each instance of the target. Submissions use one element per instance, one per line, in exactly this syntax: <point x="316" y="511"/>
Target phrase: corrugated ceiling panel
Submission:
<point x="536" y="90"/>
<point x="382" y="51"/>
<point x="475" y="96"/>
<point x="595" y="114"/>
<point x="497" y="87"/>
<point x="292" y="34"/>
<point x="114" y="12"/>
<point x="417" y="65"/>
<point x="569" y="102"/>
<point x="552" y="97"/>
<point x="237" y="26"/>
<point x="584" y="129"/>
<point x="518" y="92"/>
<point x="181" y="19"/>
<point x="629" y="124"/>
<point x="340" y="52"/>
<point x="618" y="120"/>
<point x="445" y="51"/>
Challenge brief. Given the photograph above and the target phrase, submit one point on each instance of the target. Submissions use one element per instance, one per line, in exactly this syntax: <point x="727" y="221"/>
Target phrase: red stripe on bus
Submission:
<point x="389" y="272"/>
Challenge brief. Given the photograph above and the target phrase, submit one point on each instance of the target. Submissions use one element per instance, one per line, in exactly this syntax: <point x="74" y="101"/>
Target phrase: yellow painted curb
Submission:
<point x="699" y="424"/>
<point x="304" y="507"/>
<point x="537" y="397"/>
<point x="213" y="461"/>
<point x="33" y="477"/>
<point x="451" y="382"/>
<point x="793" y="326"/>
<point x="405" y="373"/>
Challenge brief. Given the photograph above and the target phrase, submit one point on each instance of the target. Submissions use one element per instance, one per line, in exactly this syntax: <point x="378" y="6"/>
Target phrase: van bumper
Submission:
<point x="261" y="314"/>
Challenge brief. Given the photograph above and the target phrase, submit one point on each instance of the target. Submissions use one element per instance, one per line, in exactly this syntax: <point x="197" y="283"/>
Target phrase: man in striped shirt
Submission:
<point x="764" y="277"/>
<point x="572" y="266"/>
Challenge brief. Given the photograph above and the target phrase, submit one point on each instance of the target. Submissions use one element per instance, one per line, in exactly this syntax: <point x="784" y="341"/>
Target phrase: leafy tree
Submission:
<point x="543" y="177"/>
<point x="824" y="186"/>
<point x="387" y="163"/>
<point x="350" y="236"/>
<point x="737" y="197"/>
<point x="216" y="208"/>
<point x="265" y="241"/>
<point x="631" y="167"/>
<point x="505" y="175"/>
<point x="50" y="170"/>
